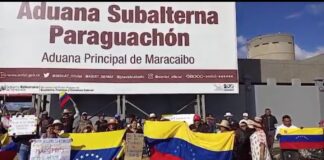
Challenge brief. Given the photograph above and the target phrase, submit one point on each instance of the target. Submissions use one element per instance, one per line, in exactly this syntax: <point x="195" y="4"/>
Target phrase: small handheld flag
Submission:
<point x="64" y="98"/>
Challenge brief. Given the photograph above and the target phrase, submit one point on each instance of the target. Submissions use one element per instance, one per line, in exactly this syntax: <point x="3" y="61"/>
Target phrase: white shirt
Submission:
<point x="283" y="127"/>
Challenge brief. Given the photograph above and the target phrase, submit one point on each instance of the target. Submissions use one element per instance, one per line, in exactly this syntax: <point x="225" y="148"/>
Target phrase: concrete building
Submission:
<point x="272" y="46"/>
<point x="298" y="91"/>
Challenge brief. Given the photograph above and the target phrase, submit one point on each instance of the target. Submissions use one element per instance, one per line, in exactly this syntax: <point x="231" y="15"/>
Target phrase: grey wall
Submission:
<point x="321" y="98"/>
<point x="300" y="102"/>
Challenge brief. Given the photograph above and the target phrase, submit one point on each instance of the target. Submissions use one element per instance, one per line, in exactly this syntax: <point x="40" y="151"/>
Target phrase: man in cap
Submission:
<point x="229" y="117"/>
<point x="198" y="126"/>
<point x="44" y="122"/>
<point x="84" y="122"/>
<point x="245" y="116"/>
<point x="102" y="124"/>
<point x="152" y="117"/>
<point x="58" y="127"/>
<point x="242" y="142"/>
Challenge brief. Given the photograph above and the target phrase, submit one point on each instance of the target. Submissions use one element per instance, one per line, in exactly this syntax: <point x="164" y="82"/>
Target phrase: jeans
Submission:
<point x="24" y="152"/>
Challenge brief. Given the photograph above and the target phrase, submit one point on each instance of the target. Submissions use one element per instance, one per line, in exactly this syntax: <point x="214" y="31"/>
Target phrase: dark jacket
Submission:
<point x="242" y="145"/>
<point x="269" y="122"/>
<point x="68" y="124"/>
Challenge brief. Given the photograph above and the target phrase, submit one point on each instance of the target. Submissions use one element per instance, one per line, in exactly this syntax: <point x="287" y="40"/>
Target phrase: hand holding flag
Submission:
<point x="64" y="98"/>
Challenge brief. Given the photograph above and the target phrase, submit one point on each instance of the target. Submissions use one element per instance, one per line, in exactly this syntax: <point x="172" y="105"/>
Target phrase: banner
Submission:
<point x="180" y="117"/>
<point x="134" y="146"/>
<point x="22" y="125"/>
<point x="175" y="141"/>
<point x="118" y="47"/>
<point x="51" y="148"/>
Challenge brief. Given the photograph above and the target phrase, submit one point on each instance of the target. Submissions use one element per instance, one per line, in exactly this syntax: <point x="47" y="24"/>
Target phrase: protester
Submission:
<point x="58" y="127"/>
<point x="24" y="143"/>
<point x="83" y="122"/>
<point x="210" y="121"/>
<point x="224" y="126"/>
<point x="152" y="117"/>
<point x="242" y="142"/>
<point x="198" y="126"/>
<point x="258" y="142"/>
<point x="321" y="124"/>
<point x="134" y="127"/>
<point x="285" y="153"/>
<point x="88" y="128"/>
<point x="49" y="132"/>
<point x="68" y="119"/>
<point x="120" y="123"/>
<point x="229" y="117"/>
<point x="269" y="121"/>
<point x="102" y="124"/>
<point x="112" y="124"/>
<point x="44" y="122"/>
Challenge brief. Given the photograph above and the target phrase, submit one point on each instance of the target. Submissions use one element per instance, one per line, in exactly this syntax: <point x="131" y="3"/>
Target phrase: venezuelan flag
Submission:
<point x="306" y="138"/>
<point x="99" y="146"/>
<point x="172" y="140"/>
<point x="9" y="151"/>
<point x="64" y="98"/>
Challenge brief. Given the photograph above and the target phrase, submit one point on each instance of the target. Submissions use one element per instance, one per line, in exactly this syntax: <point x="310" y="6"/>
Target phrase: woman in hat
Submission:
<point x="224" y="126"/>
<point x="112" y="125"/>
<point x="49" y="132"/>
<point x="258" y="142"/>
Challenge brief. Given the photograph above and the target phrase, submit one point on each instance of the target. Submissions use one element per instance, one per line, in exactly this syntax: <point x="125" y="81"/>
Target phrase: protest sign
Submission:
<point x="180" y="117"/>
<point x="51" y="149"/>
<point x="23" y="125"/>
<point x="134" y="146"/>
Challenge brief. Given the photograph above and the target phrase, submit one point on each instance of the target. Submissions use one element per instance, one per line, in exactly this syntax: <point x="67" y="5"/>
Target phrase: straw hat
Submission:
<point x="112" y="121"/>
<point x="57" y="122"/>
<point x="224" y="123"/>
<point x="258" y="119"/>
<point x="253" y="124"/>
<point x="228" y="114"/>
<point x="152" y="115"/>
<point x="66" y="111"/>
<point x="243" y="121"/>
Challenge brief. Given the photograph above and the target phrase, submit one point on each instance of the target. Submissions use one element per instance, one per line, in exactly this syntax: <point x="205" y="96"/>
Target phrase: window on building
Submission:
<point x="265" y="43"/>
<point x="275" y="42"/>
<point x="290" y="42"/>
<point x="256" y="46"/>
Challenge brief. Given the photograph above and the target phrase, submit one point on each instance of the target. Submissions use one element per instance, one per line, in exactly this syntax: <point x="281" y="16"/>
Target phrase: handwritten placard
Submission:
<point x="51" y="149"/>
<point x="134" y="146"/>
<point x="22" y="125"/>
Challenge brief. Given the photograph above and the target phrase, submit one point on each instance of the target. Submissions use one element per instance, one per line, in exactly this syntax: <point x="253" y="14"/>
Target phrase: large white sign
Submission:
<point x="51" y="148"/>
<point x="118" y="47"/>
<point x="180" y="117"/>
<point x="22" y="125"/>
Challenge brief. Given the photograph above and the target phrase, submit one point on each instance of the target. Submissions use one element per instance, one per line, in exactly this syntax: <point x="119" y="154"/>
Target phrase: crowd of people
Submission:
<point x="254" y="138"/>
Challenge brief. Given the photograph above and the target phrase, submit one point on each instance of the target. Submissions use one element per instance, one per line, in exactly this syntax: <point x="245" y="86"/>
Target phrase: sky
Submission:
<point x="304" y="20"/>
